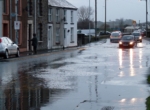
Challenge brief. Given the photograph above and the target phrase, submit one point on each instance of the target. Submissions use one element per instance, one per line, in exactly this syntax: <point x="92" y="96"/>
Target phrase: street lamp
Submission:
<point x="95" y="18"/>
<point x="105" y="16"/>
<point x="146" y="16"/>
<point x="89" y="22"/>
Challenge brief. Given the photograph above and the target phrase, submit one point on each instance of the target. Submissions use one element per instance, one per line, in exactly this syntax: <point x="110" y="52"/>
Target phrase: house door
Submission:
<point x="49" y="37"/>
<point x="65" y="39"/>
<point x="5" y="30"/>
<point x="30" y="37"/>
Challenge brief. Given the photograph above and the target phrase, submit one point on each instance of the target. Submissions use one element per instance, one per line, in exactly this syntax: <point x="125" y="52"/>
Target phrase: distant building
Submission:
<point x="131" y="28"/>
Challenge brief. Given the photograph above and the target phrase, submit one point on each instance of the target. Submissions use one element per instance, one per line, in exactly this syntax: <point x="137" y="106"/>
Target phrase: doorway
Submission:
<point x="29" y="36"/>
<point x="49" y="37"/>
<point x="5" y="30"/>
<point x="65" y="39"/>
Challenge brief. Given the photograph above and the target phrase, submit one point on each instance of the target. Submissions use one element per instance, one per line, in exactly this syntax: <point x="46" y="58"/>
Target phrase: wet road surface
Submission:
<point x="99" y="76"/>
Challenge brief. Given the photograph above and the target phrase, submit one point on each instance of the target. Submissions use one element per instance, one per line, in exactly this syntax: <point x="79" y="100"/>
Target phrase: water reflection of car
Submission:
<point x="127" y="41"/>
<point x="137" y="36"/>
<point x="115" y="36"/>
<point x="7" y="48"/>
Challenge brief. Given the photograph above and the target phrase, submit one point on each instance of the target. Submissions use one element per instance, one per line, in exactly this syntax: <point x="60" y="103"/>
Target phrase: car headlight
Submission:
<point x="140" y="37"/>
<point x="120" y="42"/>
<point x="131" y="43"/>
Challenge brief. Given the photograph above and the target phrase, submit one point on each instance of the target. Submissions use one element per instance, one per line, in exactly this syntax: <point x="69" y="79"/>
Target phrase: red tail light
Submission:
<point x="0" y="40"/>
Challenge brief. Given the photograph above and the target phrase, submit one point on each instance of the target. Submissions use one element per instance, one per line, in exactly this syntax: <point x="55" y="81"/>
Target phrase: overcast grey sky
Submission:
<point x="116" y="9"/>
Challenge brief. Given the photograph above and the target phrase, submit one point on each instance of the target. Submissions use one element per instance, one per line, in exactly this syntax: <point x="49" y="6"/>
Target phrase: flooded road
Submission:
<point x="99" y="76"/>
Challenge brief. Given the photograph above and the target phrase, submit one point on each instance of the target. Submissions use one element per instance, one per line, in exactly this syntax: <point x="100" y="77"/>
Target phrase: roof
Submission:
<point x="61" y="3"/>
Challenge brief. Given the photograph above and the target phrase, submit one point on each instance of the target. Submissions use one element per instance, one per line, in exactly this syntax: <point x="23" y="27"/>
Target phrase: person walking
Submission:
<point x="34" y="43"/>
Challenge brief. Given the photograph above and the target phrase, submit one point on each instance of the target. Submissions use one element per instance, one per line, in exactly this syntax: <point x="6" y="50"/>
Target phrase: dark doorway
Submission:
<point x="5" y="30"/>
<point x="30" y="36"/>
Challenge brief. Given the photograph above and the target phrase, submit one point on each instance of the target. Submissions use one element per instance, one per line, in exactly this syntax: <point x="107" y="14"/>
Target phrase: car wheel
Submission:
<point x="18" y="53"/>
<point x="6" y="54"/>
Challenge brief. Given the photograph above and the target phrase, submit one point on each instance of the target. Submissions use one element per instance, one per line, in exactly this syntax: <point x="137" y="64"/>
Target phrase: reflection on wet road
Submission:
<point x="99" y="76"/>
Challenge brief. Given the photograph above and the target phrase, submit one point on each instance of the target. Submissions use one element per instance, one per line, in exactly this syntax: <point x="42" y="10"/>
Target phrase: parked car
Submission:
<point x="137" y="36"/>
<point x="103" y="33"/>
<point x="8" y="47"/>
<point x="115" y="36"/>
<point x="143" y="33"/>
<point x="127" y="41"/>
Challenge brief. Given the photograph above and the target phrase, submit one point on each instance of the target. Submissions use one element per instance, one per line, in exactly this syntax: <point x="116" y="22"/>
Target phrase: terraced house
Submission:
<point x="62" y="24"/>
<point x="53" y="21"/>
<point x="1" y="11"/>
<point x="14" y="21"/>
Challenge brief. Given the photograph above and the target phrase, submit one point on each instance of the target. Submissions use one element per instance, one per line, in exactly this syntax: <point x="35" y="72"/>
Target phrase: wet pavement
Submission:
<point x="97" y="76"/>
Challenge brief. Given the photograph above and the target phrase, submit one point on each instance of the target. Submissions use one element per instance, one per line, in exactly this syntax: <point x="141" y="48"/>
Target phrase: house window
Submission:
<point x="57" y="15"/>
<point x="40" y="31"/>
<point x="40" y="7"/>
<point x="30" y="8"/>
<point x="64" y="32"/>
<point x="19" y="7"/>
<point x="65" y="15"/>
<point x="57" y="35"/>
<point x="5" y="6"/>
<point x="71" y="16"/>
<point x="49" y="15"/>
<point x="72" y="34"/>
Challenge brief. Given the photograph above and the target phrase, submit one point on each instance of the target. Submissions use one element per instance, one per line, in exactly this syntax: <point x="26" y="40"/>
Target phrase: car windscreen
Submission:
<point x="136" y="34"/>
<point x="115" y="34"/>
<point x="127" y="38"/>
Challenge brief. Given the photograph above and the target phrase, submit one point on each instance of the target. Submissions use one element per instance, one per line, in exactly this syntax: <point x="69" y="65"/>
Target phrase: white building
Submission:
<point x="62" y="24"/>
<point x="1" y="13"/>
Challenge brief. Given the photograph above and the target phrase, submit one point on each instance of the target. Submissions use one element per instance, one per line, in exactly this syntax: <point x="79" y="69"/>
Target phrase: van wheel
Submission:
<point x="18" y="53"/>
<point x="6" y="55"/>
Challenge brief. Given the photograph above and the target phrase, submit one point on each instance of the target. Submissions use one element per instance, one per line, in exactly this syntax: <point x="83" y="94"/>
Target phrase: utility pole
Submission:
<point x="16" y="11"/>
<point x="105" y="16"/>
<point x="146" y="18"/>
<point x="89" y="22"/>
<point x="34" y="16"/>
<point x="95" y="18"/>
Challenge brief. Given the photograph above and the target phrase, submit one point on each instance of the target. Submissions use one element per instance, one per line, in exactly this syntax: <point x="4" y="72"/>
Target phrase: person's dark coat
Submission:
<point x="34" y="41"/>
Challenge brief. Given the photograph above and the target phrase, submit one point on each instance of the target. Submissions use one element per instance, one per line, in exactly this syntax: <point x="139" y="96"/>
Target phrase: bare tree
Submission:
<point x="84" y="17"/>
<point x="85" y="13"/>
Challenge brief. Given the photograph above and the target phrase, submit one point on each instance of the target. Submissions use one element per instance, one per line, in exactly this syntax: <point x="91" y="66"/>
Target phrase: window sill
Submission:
<point x="57" y="43"/>
<point x="40" y="41"/>
<point x="5" y="14"/>
<point x="72" y="42"/>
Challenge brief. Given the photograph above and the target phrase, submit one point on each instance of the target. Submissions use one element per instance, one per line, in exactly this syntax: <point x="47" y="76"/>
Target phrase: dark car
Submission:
<point x="137" y="36"/>
<point x="127" y="41"/>
<point x="143" y="33"/>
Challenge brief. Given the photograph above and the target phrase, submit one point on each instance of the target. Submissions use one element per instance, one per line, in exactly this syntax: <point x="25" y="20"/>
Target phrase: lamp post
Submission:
<point x="89" y="22"/>
<point x="16" y="19"/>
<point x="146" y="16"/>
<point x="105" y="16"/>
<point x="95" y="18"/>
